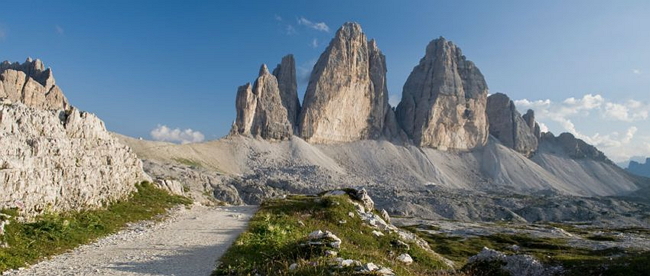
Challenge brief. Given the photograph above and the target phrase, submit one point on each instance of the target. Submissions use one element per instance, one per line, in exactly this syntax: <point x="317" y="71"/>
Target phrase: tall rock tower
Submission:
<point x="443" y="100"/>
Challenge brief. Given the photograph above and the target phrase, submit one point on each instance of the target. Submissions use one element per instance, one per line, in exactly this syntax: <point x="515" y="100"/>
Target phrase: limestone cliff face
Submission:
<point x="346" y="99"/>
<point x="260" y="112"/>
<point x="507" y="125"/>
<point x="30" y="83"/>
<point x="285" y="73"/>
<point x="54" y="160"/>
<point x="54" y="157"/>
<point x="529" y="117"/>
<point x="443" y="100"/>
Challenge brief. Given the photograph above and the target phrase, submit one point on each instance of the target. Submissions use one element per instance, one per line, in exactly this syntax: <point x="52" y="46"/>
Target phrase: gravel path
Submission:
<point x="188" y="243"/>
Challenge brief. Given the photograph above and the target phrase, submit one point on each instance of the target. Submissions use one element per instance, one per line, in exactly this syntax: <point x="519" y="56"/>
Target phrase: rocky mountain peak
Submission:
<point x="285" y="73"/>
<point x="443" y="100"/>
<point x="260" y="112"/>
<point x="31" y="84"/>
<point x="346" y="99"/>
<point x="507" y="125"/>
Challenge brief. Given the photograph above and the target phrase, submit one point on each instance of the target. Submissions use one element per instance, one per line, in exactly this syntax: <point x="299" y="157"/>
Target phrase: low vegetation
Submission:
<point x="550" y="251"/>
<point x="52" y="234"/>
<point x="276" y="236"/>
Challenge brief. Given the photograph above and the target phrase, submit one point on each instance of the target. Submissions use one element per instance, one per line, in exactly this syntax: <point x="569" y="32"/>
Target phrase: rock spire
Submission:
<point x="443" y="100"/>
<point x="30" y="83"/>
<point x="507" y="125"/>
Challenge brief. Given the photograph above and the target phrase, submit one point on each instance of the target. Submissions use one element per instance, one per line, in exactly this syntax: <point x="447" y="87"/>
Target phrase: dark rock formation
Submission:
<point x="574" y="147"/>
<point x="285" y="73"/>
<point x="640" y="169"/>
<point x="507" y="125"/>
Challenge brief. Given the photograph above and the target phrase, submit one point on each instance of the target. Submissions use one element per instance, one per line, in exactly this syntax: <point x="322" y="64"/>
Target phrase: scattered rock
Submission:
<point x="385" y="216"/>
<point x="293" y="266"/>
<point x="405" y="258"/>
<point x="516" y="265"/>
<point x="400" y="245"/>
<point x="377" y="233"/>
<point x="331" y="253"/>
<point x="362" y="195"/>
<point x="327" y="238"/>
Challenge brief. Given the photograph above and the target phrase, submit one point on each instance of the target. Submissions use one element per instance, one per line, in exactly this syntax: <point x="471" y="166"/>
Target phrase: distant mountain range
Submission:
<point x="638" y="168"/>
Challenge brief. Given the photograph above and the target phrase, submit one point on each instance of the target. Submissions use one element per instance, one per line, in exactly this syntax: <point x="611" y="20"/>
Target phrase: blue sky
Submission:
<point x="144" y="64"/>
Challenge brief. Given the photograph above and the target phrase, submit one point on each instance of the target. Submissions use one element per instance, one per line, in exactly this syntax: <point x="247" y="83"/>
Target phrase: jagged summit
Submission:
<point x="260" y="112"/>
<point x="346" y="99"/>
<point x="285" y="73"/>
<point x="31" y="84"/>
<point x="443" y="100"/>
<point x="507" y="124"/>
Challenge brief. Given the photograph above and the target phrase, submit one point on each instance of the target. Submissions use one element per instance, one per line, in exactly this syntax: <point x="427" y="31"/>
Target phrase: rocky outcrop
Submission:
<point x="260" y="112"/>
<point x="443" y="100"/>
<point x="54" y="160"/>
<point x="574" y="147"/>
<point x="30" y="83"/>
<point x="346" y="99"/>
<point x="285" y="73"/>
<point x="529" y="117"/>
<point x="640" y="169"/>
<point x="507" y="125"/>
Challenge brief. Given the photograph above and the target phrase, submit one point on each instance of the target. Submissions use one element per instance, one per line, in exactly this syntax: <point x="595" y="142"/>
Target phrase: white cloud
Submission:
<point x="166" y="134"/>
<point x="636" y="71"/>
<point x="618" y="142"/>
<point x="59" y="30"/>
<point x="542" y="127"/>
<point x="319" y="26"/>
<point x="291" y="30"/>
<point x="277" y="17"/>
<point x="314" y="43"/>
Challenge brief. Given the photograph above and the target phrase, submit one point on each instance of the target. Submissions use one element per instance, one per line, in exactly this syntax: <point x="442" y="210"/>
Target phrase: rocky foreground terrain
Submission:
<point x="448" y="150"/>
<point x="54" y="157"/>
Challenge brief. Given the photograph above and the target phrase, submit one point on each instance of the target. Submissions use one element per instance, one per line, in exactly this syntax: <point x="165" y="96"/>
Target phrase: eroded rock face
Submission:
<point x="30" y="83"/>
<point x="285" y="73"/>
<point x="260" y="112"/>
<point x="443" y="100"/>
<point x="346" y="99"/>
<point x="529" y="117"/>
<point x="54" y="160"/>
<point x="507" y="125"/>
<point x="574" y="147"/>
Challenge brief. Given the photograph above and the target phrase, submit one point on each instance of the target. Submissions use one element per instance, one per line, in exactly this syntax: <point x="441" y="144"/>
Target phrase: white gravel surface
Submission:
<point x="187" y="243"/>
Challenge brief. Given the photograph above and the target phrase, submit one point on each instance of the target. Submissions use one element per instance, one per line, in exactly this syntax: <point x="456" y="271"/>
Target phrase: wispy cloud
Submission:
<point x="314" y="43"/>
<point x="166" y="134"/>
<point x="290" y="30"/>
<point x="3" y="33"/>
<point x="595" y="108"/>
<point x="59" y="30"/>
<point x="319" y="26"/>
<point x="637" y="72"/>
<point x="277" y="18"/>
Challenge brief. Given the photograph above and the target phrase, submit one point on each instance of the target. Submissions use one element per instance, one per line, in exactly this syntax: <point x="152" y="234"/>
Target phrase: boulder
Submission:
<point x="507" y="125"/>
<point x="346" y="99"/>
<point x="443" y="100"/>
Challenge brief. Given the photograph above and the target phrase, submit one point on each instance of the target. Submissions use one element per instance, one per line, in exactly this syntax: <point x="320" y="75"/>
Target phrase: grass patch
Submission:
<point x="274" y="236"/>
<point x="189" y="162"/>
<point x="551" y="251"/>
<point x="53" y="234"/>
